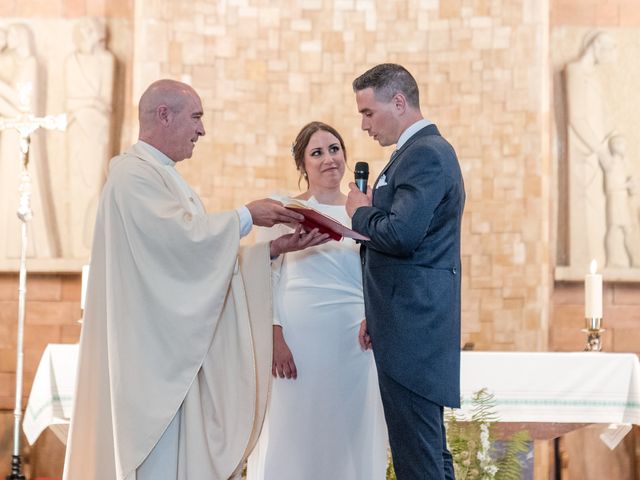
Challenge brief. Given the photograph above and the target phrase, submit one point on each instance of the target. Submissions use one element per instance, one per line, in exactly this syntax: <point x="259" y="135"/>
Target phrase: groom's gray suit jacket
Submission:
<point x="411" y="267"/>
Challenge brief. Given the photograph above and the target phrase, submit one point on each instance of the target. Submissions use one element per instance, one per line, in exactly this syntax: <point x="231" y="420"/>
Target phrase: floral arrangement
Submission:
<point x="474" y="446"/>
<point x="477" y="454"/>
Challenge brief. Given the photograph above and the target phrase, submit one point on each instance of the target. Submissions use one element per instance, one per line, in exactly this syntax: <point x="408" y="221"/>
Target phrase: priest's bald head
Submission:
<point x="170" y="114"/>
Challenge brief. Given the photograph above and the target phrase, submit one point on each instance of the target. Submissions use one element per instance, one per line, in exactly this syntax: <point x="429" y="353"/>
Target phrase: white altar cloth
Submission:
<point x="529" y="388"/>
<point x="580" y="387"/>
<point x="51" y="398"/>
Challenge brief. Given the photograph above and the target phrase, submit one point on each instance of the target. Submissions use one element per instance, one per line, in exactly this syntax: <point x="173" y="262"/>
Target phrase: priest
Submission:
<point x="175" y="350"/>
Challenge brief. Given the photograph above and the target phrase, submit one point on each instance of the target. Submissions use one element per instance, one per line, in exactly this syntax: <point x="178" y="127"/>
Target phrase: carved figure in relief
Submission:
<point x="20" y="89"/>
<point x="622" y="246"/>
<point x="89" y="82"/>
<point x="7" y="107"/>
<point x="589" y="128"/>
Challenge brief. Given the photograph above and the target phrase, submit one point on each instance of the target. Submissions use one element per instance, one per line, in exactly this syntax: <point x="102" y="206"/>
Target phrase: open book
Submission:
<point x="324" y="223"/>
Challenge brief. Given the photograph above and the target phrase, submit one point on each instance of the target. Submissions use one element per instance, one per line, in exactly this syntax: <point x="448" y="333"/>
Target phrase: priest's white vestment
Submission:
<point x="176" y="318"/>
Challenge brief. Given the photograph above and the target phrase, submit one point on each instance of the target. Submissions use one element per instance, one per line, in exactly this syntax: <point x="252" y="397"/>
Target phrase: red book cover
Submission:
<point x="324" y="223"/>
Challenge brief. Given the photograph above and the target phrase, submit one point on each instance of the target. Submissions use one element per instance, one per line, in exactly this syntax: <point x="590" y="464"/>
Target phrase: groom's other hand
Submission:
<point x="363" y="336"/>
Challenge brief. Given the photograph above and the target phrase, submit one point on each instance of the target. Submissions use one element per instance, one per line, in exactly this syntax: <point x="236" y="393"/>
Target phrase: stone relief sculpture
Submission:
<point x="20" y="88"/>
<point x="89" y="79"/>
<point x="589" y="129"/>
<point x="622" y="243"/>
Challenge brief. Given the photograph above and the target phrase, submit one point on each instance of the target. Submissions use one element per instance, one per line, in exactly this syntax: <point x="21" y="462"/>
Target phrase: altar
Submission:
<point x="552" y="393"/>
<point x="51" y="399"/>
<point x="546" y="393"/>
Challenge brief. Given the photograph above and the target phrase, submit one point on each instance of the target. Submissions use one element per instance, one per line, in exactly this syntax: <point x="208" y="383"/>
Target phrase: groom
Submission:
<point x="411" y="271"/>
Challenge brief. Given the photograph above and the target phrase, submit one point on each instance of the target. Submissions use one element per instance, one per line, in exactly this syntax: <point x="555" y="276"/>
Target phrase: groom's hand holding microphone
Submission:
<point x="359" y="194"/>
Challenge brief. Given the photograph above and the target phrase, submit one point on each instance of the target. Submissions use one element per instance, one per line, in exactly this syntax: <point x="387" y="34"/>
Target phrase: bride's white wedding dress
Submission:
<point x="327" y="424"/>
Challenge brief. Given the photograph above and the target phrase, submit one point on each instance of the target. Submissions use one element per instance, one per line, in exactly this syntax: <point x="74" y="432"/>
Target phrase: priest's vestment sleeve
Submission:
<point x="168" y="323"/>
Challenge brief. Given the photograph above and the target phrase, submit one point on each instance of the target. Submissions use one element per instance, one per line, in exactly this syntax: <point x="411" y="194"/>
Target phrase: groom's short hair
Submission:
<point x="388" y="79"/>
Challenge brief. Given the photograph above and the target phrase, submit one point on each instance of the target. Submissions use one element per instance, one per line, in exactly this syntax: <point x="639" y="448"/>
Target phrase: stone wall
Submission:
<point x="595" y="13"/>
<point x="66" y="8"/>
<point x="264" y="71"/>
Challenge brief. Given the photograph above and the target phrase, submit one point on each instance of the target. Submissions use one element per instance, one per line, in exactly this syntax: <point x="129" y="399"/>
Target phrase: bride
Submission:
<point x="325" y="418"/>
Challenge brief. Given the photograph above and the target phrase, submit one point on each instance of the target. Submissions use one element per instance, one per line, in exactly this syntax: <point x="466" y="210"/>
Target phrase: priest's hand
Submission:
<point x="357" y="199"/>
<point x="298" y="240"/>
<point x="363" y="336"/>
<point x="267" y="212"/>
<point x="282" y="365"/>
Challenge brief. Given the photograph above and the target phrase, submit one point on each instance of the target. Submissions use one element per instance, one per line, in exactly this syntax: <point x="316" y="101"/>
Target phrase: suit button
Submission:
<point x="454" y="270"/>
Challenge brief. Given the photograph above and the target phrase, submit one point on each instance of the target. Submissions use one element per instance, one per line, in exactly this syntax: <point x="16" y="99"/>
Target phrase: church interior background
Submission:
<point x="511" y="83"/>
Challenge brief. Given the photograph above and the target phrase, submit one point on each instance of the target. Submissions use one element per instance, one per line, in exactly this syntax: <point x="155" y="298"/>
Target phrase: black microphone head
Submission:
<point x="361" y="176"/>
<point x="361" y="170"/>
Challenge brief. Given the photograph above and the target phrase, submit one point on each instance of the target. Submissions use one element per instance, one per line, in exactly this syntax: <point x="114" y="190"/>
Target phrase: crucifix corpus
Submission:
<point x="26" y="124"/>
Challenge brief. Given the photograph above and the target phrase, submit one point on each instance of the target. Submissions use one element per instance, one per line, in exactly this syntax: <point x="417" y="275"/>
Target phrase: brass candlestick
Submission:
<point x="593" y="330"/>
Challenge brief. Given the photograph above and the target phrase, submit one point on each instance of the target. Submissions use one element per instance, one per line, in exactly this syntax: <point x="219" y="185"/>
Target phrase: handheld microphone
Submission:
<point x="361" y="174"/>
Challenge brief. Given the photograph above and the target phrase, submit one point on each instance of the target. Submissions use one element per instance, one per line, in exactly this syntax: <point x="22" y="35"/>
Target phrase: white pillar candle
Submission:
<point x="593" y="292"/>
<point x="85" y="279"/>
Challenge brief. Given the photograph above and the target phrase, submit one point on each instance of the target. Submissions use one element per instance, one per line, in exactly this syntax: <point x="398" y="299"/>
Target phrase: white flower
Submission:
<point x="486" y="462"/>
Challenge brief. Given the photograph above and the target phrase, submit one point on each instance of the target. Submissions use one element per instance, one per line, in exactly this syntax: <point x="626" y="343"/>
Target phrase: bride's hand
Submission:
<point x="283" y="365"/>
